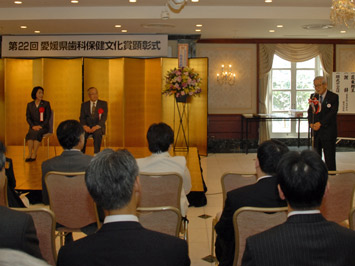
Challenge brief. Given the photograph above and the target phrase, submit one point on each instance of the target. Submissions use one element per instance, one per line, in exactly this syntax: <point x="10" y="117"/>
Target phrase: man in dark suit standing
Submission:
<point x="322" y="118"/>
<point x="306" y="238"/>
<point x="93" y="115"/>
<point x="261" y="194"/>
<point x="17" y="230"/>
<point x="113" y="182"/>
<point x="70" y="135"/>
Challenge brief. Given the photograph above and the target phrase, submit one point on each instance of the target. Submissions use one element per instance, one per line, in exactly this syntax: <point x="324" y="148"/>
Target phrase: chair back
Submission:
<point x="352" y="219"/>
<point x="339" y="200"/>
<point x="249" y="221"/>
<point x="165" y="220"/>
<point x="51" y="122"/>
<point x="3" y="189"/>
<point x="70" y="200"/>
<point x="231" y="181"/>
<point x="44" y="222"/>
<point x="160" y="189"/>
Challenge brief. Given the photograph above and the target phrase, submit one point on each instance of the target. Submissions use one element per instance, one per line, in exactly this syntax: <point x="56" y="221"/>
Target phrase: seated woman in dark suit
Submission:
<point x="38" y="114"/>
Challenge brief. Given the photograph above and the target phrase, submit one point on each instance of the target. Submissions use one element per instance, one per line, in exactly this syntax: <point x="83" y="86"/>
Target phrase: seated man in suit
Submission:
<point x="160" y="139"/>
<point x="70" y="134"/>
<point x="261" y="194"/>
<point x="17" y="230"/>
<point x="113" y="182"/>
<point x="306" y="238"/>
<point x="93" y="115"/>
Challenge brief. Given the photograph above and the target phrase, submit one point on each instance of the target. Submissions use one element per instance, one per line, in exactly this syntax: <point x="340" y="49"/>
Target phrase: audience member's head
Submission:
<point x="2" y="156"/>
<point x="302" y="178"/>
<point x="269" y="154"/>
<point x="160" y="137"/>
<point x="111" y="177"/>
<point x="11" y="257"/>
<point x="70" y="133"/>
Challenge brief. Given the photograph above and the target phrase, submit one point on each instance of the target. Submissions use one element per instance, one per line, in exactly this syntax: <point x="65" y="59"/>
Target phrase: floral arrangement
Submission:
<point x="182" y="81"/>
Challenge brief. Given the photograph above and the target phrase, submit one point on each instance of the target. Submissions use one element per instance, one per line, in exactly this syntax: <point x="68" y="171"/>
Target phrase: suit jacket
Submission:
<point x="68" y="161"/>
<point x="305" y="239"/>
<point x="33" y="115"/>
<point x="327" y="116"/>
<point x="163" y="162"/>
<point x="17" y="231"/>
<point x="87" y="119"/>
<point x="125" y="243"/>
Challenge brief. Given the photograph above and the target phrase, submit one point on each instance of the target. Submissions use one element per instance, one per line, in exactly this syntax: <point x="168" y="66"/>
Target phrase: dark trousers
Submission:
<point x="328" y="146"/>
<point x="97" y="136"/>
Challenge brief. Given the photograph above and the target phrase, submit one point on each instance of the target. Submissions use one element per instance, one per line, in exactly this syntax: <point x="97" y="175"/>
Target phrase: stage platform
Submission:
<point x="28" y="175"/>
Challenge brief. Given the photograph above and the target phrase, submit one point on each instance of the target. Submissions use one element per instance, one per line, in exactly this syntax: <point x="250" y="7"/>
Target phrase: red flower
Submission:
<point x="41" y="109"/>
<point x="101" y="111"/>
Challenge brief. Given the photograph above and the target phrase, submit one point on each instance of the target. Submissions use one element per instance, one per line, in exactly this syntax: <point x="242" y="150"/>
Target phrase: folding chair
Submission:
<point x="44" y="222"/>
<point x="229" y="182"/>
<point x="339" y="200"/>
<point x="3" y="189"/>
<point x="249" y="221"/>
<point x="166" y="220"/>
<point x="162" y="189"/>
<point x="71" y="202"/>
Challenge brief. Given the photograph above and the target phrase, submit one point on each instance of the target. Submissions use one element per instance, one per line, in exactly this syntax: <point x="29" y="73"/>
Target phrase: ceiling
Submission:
<point x="220" y="18"/>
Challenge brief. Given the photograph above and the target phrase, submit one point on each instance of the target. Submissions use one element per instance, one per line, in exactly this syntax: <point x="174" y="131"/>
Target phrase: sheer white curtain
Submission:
<point x="291" y="52"/>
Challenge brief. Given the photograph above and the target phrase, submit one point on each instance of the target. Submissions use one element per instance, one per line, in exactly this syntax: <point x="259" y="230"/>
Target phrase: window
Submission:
<point x="290" y="86"/>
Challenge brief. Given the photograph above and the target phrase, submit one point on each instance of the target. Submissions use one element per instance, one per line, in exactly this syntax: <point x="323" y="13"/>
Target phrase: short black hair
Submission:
<point x="303" y="178"/>
<point x="34" y="92"/>
<point x="68" y="133"/>
<point x="269" y="154"/>
<point x="160" y="137"/>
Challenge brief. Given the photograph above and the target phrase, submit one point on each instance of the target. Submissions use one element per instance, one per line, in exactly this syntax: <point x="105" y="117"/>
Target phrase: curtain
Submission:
<point x="291" y="52"/>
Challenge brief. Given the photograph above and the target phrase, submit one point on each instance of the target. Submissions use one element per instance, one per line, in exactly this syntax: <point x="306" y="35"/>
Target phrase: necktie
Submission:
<point x="93" y="109"/>
<point x="321" y="99"/>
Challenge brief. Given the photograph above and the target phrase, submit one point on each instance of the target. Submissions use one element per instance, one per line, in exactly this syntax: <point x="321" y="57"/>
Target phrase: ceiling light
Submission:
<point x="18" y="2"/>
<point x="343" y="31"/>
<point x="280" y="26"/>
<point x="118" y="26"/>
<point x="195" y="1"/>
<point x="197" y="29"/>
<point x="268" y="1"/>
<point x="123" y="30"/>
<point x="342" y="13"/>
<point x="37" y="31"/>
<point x="23" y="27"/>
<point x="132" y="1"/>
<point x="198" y="25"/>
<point x="74" y="1"/>
<point x="271" y="30"/>
<point x="176" y="4"/>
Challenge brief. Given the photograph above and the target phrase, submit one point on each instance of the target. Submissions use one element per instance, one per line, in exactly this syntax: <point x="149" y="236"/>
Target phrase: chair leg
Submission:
<point x="24" y="148"/>
<point x="61" y="238"/>
<point x="48" y="147"/>
<point x="214" y="222"/>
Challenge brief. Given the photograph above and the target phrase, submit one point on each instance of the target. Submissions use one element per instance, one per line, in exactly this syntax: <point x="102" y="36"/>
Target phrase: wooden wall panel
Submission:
<point x="152" y="93"/>
<point x="134" y="95"/>
<point x="20" y="78"/>
<point x="198" y="107"/>
<point x="115" y="120"/>
<point x="346" y="125"/>
<point x="62" y="83"/>
<point x="2" y="102"/>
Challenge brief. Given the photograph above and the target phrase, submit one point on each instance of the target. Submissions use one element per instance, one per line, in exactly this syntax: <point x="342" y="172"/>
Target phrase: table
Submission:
<point x="265" y="117"/>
